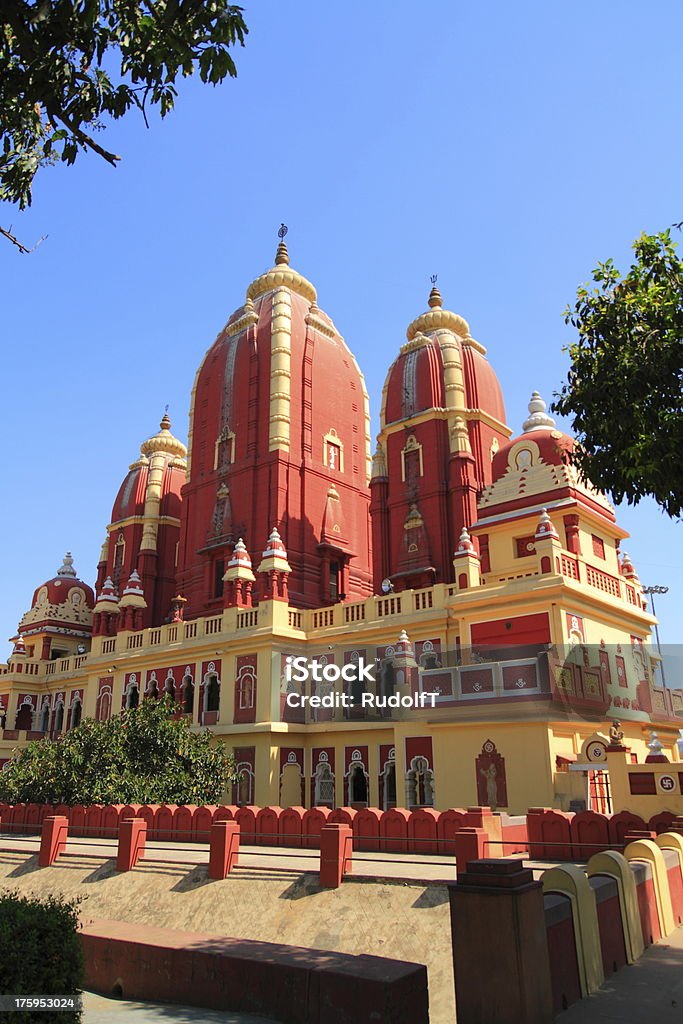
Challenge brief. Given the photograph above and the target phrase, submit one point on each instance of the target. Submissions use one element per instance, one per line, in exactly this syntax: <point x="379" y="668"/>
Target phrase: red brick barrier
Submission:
<point x="132" y="837"/>
<point x="393" y="830"/>
<point x="182" y="822"/>
<point x="202" y="821"/>
<point x="78" y="820"/>
<point x="366" y="829"/>
<point x="163" y="822"/>
<point x="289" y="983"/>
<point x="619" y="824"/>
<point x="53" y="838"/>
<point x="470" y="844"/>
<point x="589" y="834"/>
<point x="246" y="819"/>
<point x="336" y="843"/>
<point x="267" y="826"/>
<point x="224" y="845"/>
<point x="422" y="831"/>
<point x="290" y="826"/>
<point x="312" y="824"/>
<point x="450" y="822"/>
<point x="111" y="818"/>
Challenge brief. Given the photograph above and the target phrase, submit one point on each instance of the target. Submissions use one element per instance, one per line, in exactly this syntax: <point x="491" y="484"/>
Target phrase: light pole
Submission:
<point x="652" y="591"/>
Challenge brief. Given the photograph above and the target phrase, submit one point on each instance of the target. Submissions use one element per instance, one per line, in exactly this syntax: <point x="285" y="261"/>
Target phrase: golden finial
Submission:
<point x="165" y="421"/>
<point x="435" y="294"/>
<point x="281" y="256"/>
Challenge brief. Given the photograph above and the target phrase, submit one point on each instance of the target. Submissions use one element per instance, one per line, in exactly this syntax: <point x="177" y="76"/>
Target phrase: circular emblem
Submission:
<point x="392" y="754"/>
<point x="212" y="666"/>
<point x="291" y="758"/>
<point x="356" y="755"/>
<point x="427" y="646"/>
<point x="667" y="783"/>
<point x="596" y="752"/>
<point x="390" y="652"/>
<point x="322" y="756"/>
<point x="489" y="747"/>
<point x="132" y="678"/>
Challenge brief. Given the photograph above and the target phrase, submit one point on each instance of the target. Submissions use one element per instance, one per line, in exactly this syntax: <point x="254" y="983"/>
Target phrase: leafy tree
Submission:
<point x="624" y="390"/>
<point x="41" y="953"/>
<point x="143" y="755"/>
<point x="67" y="64"/>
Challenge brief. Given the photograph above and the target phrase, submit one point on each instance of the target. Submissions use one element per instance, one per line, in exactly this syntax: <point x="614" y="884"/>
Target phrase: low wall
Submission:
<point x="422" y="830"/>
<point x="292" y="984"/>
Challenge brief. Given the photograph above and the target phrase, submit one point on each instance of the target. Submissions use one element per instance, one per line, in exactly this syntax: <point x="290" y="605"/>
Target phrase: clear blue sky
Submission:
<point x="506" y="147"/>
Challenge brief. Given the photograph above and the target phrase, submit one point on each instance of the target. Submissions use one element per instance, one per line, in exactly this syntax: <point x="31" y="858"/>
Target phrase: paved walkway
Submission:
<point x="101" y="1010"/>
<point x="410" y="866"/>
<point x="648" y="991"/>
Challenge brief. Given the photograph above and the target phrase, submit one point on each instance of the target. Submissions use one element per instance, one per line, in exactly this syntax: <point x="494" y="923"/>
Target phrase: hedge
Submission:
<point x="41" y="953"/>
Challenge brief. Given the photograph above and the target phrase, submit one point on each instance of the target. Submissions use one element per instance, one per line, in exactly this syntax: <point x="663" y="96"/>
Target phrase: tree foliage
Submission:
<point x="41" y="953"/>
<point x="624" y="390"/>
<point x="67" y="64"/>
<point x="144" y="755"/>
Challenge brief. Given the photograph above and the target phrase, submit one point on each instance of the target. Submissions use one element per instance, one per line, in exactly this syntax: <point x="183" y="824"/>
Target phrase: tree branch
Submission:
<point x="7" y="232"/>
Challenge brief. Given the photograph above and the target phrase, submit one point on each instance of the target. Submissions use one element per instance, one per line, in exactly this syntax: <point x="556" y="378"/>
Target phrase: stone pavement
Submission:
<point x="102" y="1010"/>
<point x="411" y="866"/>
<point x="648" y="991"/>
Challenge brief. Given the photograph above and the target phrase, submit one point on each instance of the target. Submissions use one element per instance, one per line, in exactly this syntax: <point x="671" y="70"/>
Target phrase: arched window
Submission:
<point x="169" y="686"/>
<point x="59" y="717"/>
<point x="419" y="783"/>
<point x="104" y="704"/>
<point x="245" y="689"/>
<point x="245" y="785"/>
<point x="188" y="695"/>
<point x="76" y="712"/>
<point x="133" y="697"/>
<point x="389" y="797"/>
<point x="45" y="718"/>
<point x="324" y="785"/>
<point x="24" y="717"/>
<point x="212" y="696"/>
<point x="358" y="784"/>
<point x="119" y="551"/>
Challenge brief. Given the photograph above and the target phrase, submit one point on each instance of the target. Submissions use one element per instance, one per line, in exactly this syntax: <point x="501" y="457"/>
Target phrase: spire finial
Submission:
<point x="435" y="295"/>
<point x="538" y="418"/>
<point x="67" y="566"/>
<point x="165" y="420"/>
<point x="282" y="256"/>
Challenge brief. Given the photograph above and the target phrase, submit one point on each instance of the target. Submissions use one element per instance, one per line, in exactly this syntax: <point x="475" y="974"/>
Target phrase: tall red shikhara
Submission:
<point x="278" y="438"/>
<point x="442" y="420"/>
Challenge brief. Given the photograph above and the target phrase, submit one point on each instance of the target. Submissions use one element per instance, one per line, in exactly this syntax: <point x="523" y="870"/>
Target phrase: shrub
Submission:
<point x="41" y="953"/>
<point x="145" y="755"/>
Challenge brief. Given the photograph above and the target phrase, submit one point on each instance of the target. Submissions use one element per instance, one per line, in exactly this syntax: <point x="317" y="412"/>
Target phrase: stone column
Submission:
<point x="500" y="950"/>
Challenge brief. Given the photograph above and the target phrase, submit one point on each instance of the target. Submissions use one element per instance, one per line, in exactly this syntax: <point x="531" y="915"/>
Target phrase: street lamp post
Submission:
<point x="652" y="591"/>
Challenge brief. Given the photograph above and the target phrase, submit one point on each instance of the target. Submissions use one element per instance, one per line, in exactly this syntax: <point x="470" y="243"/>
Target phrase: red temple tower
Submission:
<point x="442" y="421"/>
<point x="279" y="438"/>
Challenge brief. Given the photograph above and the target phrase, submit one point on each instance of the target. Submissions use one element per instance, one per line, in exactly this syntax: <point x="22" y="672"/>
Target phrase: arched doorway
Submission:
<point x="358" y="784"/>
<point x="24" y="717"/>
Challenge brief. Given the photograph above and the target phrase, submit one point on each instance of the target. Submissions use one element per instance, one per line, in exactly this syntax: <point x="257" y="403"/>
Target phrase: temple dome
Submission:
<point x="417" y="378"/>
<point x="64" y="599"/>
<point x="130" y="500"/>
<point x="540" y="438"/>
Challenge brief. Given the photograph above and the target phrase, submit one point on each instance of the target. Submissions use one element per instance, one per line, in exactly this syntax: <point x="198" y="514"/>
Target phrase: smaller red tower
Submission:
<point x="442" y="420"/>
<point x="137" y="568"/>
